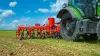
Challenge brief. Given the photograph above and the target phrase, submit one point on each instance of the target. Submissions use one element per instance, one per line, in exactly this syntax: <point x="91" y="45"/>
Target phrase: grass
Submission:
<point x="83" y="48"/>
<point x="52" y="47"/>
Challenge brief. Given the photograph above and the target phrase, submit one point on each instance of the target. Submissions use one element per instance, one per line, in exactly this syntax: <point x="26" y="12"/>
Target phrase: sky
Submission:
<point x="14" y="13"/>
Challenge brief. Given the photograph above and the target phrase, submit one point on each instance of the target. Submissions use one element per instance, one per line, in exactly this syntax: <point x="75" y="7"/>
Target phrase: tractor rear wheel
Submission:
<point x="90" y="37"/>
<point x="86" y="37"/>
<point x="98" y="30"/>
<point x="68" y="27"/>
<point x="93" y="37"/>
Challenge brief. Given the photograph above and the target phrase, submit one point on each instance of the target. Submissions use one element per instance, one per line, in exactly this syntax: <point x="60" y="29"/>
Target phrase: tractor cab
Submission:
<point x="81" y="3"/>
<point x="87" y="6"/>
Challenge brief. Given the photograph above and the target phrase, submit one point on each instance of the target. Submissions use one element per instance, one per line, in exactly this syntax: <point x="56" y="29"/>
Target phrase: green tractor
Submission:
<point x="80" y="18"/>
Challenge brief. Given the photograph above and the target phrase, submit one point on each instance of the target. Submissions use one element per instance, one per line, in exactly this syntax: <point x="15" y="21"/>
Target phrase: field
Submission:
<point x="10" y="46"/>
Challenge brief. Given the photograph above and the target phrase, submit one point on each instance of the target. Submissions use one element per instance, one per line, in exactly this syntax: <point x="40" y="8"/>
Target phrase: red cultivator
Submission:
<point x="51" y="29"/>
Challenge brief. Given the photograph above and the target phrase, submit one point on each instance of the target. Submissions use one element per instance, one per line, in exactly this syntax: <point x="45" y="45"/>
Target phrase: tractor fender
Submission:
<point x="76" y="13"/>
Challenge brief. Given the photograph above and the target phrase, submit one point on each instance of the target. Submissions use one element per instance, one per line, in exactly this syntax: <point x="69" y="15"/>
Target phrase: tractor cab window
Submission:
<point x="76" y="1"/>
<point x="89" y="1"/>
<point x="73" y="2"/>
<point x="79" y="2"/>
<point x="87" y="6"/>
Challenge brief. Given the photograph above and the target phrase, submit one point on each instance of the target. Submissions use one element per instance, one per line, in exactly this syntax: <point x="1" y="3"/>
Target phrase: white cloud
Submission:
<point x="28" y="11"/>
<point x="10" y="26"/>
<point x="14" y="24"/>
<point x="43" y="10"/>
<point x="56" y="19"/>
<point x="23" y="21"/>
<point x="15" y="21"/>
<point x="6" y="13"/>
<point x="55" y="7"/>
<point x="58" y="5"/>
<point x="12" y="4"/>
<point x="45" y="21"/>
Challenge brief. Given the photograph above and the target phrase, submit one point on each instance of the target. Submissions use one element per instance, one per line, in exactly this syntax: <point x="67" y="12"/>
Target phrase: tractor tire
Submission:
<point x="93" y="37"/>
<point x="90" y="37"/>
<point x="74" y="36"/>
<point x="98" y="30"/>
<point x="68" y="27"/>
<point x="86" y="37"/>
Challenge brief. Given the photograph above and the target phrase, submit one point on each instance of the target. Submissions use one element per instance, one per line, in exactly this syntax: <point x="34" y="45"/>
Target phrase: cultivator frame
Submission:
<point x="49" y="30"/>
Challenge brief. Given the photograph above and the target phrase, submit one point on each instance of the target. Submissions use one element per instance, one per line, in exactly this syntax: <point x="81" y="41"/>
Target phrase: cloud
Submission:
<point x="6" y="13"/>
<point x="12" y="4"/>
<point x="45" y="21"/>
<point x="56" y="19"/>
<point x="10" y="26"/>
<point x="15" y="21"/>
<point x="5" y="26"/>
<point x="14" y="24"/>
<point x="28" y="11"/>
<point x="55" y="7"/>
<point x="43" y="10"/>
<point x="24" y="21"/>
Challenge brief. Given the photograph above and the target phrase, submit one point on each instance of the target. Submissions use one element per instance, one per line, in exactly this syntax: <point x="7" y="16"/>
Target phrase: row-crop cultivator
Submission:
<point x="51" y="29"/>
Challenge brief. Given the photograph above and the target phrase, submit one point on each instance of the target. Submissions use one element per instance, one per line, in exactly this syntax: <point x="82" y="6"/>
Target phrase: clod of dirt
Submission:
<point x="1" y="51"/>
<point x="11" y="53"/>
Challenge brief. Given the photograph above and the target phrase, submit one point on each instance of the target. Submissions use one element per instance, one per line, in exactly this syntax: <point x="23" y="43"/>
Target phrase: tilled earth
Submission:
<point x="14" y="47"/>
<point x="10" y="46"/>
